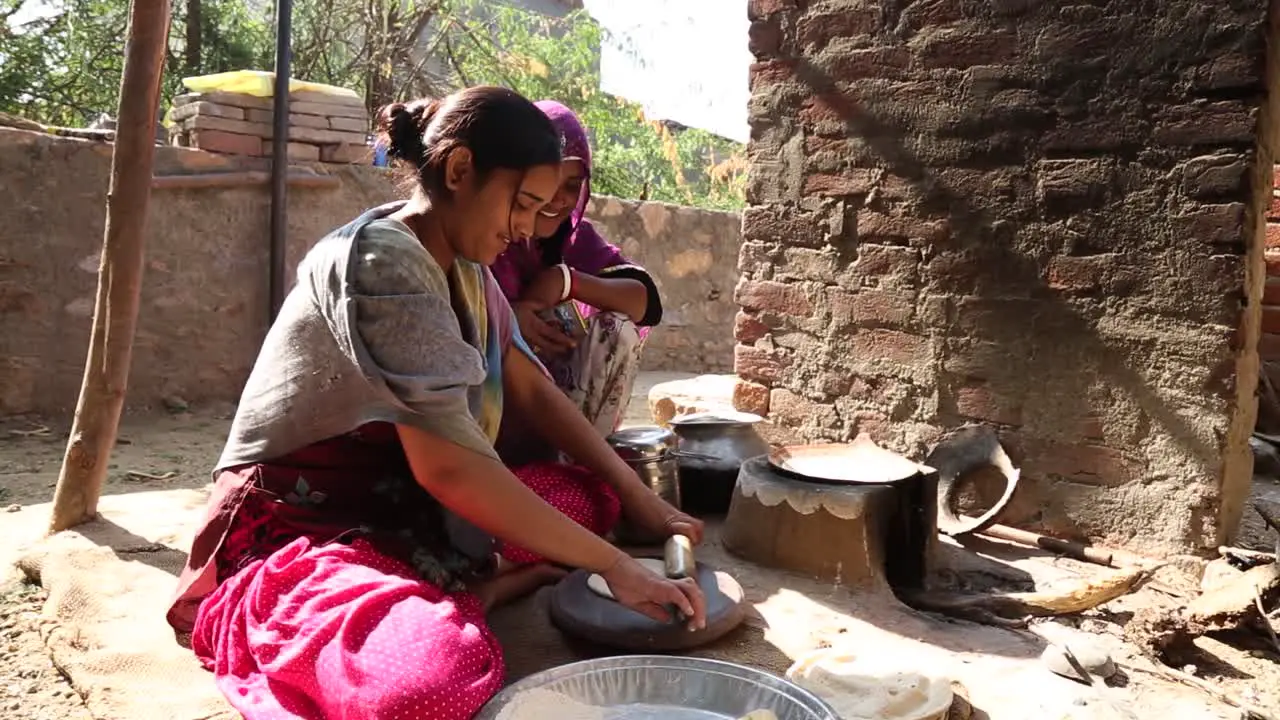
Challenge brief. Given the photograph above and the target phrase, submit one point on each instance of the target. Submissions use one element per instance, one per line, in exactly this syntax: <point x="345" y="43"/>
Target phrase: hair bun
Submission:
<point x="404" y="126"/>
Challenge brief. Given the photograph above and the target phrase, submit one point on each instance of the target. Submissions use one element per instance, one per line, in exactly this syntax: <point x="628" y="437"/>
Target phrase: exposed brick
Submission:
<point x="892" y="346"/>
<point x="191" y="109"/>
<point x="826" y="114"/>
<point x="1215" y="225"/>
<point x="788" y="408"/>
<point x="757" y="364"/>
<point x="1221" y="123"/>
<point x="899" y="263"/>
<point x="767" y="295"/>
<point x="930" y="13"/>
<point x="1229" y="72"/>
<point x="295" y="119"/>
<point x="764" y="37"/>
<point x="1073" y="184"/>
<point x="890" y="62"/>
<point x="1084" y="463"/>
<point x="874" y="226"/>
<point x="300" y="152"/>
<point x="1093" y="134"/>
<point x="819" y="27"/>
<point x="766" y="224"/>
<point x="224" y="142"/>
<point x="1273" y="236"/>
<point x="751" y="397"/>
<point x="346" y="154"/>
<point x="1273" y="208"/>
<point x="1271" y="292"/>
<point x="869" y="308"/>
<point x="978" y="360"/>
<point x="1091" y="273"/>
<point x="747" y="329"/>
<point x="1212" y="177"/>
<point x="855" y="181"/>
<point x="962" y="48"/>
<point x="770" y="72"/>
<point x="980" y="403"/>
<point x="757" y="9"/>
<point x="349" y="124"/>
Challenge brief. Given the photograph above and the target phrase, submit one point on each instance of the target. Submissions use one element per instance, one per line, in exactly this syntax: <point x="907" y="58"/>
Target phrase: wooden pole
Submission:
<point x="115" y="313"/>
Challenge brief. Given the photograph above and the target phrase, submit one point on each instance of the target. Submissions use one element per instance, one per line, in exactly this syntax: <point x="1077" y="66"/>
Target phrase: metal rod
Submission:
<point x="280" y="154"/>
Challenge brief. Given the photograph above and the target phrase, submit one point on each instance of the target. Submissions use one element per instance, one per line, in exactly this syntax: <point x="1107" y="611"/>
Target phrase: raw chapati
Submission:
<point x="600" y="587"/>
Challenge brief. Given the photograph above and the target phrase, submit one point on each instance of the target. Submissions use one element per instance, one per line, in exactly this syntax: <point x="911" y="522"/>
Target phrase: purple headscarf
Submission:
<point x="584" y="249"/>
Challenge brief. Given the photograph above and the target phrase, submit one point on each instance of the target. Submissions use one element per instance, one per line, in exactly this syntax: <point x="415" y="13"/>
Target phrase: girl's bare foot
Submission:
<point x="515" y="584"/>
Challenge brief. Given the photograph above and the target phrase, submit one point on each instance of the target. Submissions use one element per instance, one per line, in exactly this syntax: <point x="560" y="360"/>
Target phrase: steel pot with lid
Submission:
<point x="651" y="452"/>
<point x="713" y="446"/>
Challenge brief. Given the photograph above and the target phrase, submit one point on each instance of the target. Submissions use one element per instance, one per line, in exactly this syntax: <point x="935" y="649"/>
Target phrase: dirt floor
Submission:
<point x="174" y="450"/>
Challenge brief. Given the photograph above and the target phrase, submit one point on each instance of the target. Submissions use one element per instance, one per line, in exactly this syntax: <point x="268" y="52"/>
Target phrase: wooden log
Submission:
<point x="115" y="315"/>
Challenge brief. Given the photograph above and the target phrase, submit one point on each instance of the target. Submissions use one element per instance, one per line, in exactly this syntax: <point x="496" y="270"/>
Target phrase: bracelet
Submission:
<point x="568" y="282"/>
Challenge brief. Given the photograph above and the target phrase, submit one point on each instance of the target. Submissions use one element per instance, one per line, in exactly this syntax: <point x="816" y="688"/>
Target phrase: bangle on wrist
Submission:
<point x="567" y="273"/>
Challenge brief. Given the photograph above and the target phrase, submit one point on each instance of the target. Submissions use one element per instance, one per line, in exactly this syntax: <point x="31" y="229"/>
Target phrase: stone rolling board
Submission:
<point x="321" y="127"/>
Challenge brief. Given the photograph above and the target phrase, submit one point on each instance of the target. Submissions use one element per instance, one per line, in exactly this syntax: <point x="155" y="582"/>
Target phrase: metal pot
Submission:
<point x="712" y="448"/>
<point x="650" y="451"/>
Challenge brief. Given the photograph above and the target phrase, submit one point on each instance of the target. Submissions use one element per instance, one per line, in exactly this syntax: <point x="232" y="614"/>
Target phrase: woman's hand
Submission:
<point x="652" y="595"/>
<point x="542" y="336"/>
<point x="653" y="516"/>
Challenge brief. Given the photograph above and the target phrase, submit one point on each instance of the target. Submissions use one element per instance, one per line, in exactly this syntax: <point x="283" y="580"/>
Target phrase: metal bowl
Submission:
<point x="653" y="687"/>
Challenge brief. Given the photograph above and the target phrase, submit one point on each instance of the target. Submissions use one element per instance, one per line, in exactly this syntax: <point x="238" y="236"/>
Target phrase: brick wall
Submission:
<point x="1041" y="216"/>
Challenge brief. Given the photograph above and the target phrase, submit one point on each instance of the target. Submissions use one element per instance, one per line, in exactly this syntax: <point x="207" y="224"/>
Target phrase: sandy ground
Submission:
<point x="174" y="451"/>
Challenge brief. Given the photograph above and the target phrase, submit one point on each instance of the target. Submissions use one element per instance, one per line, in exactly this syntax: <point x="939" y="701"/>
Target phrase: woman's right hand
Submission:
<point x="640" y="589"/>
<point x="542" y="336"/>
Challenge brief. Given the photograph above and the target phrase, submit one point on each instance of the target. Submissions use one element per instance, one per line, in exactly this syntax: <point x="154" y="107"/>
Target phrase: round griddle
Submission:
<point x="577" y="610"/>
<point x="859" y="462"/>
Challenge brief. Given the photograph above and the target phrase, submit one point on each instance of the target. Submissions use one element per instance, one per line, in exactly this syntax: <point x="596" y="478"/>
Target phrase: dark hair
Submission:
<point x="500" y="127"/>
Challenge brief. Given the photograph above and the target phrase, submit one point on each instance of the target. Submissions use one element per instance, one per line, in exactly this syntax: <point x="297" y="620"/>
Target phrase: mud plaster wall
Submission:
<point x="1043" y="216"/>
<point x="205" y="290"/>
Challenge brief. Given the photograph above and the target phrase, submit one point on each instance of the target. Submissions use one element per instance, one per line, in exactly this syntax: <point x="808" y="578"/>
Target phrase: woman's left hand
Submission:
<point x="651" y="515"/>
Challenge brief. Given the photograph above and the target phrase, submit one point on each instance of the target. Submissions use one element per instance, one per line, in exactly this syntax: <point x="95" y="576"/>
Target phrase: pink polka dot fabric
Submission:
<point x="576" y="492"/>
<point x="346" y="632"/>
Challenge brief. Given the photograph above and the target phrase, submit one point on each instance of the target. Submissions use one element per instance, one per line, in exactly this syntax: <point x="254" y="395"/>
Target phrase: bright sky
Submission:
<point x="683" y="60"/>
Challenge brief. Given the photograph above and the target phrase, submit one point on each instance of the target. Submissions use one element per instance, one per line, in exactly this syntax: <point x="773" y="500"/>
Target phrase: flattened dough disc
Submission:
<point x="601" y="588"/>
<point x="582" y="612"/>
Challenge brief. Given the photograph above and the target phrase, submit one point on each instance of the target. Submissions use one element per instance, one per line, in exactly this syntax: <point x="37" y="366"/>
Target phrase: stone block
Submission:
<point x="346" y="124"/>
<point x="330" y="110"/>
<point x="751" y="397"/>
<point x="238" y="127"/>
<point x="767" y="295"/>
<point x="758" y="364"/>
<point x="874" y="226"/>
<point x="747" y="329"/>
<point x="300" y="152"/>
<point x="346" y="154"/>
<point x="295" y="119"/>
<point x="891" y="265"/>
<point x="818" y="27"/>
<point x="223" y="98"/>
<point x="229" y="143"/>
<point x="899" y="353"/>
<point x="302" y="97"/>
<point x="964" y="47"/>
<point x="1213" y="177"/>
<point x="869" y="308"/>
<point x="1218" y="226"/>
<point x="704" y="393"/>
<point x="881" y="62"/>
<point x="1231" y="123"/>
<point x="199" y="107"/>
<point x="854" y="181"/>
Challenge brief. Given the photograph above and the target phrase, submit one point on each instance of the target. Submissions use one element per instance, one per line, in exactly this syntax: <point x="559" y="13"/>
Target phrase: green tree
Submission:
<point x="543" y="57"/>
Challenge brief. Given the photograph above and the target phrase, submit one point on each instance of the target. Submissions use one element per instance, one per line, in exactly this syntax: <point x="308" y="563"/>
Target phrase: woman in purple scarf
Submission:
<point x="582" y="306"/>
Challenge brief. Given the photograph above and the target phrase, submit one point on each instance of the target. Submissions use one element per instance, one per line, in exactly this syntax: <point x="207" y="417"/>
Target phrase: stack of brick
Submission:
<point x="1269" y="343"/>
<point x="321" y="127"/>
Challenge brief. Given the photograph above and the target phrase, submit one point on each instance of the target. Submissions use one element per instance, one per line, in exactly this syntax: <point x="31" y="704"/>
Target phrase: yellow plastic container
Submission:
<point x="259" y="83"/>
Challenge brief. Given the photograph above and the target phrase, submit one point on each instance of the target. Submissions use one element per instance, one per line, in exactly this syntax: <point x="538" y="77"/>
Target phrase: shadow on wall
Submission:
<point x="1083" y="336"/>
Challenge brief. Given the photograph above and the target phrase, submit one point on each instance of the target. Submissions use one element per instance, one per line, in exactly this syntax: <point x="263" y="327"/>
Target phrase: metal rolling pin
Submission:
<point x="677" y="557"/>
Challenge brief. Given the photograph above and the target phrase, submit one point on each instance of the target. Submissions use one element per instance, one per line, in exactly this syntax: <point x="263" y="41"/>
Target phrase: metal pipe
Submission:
<point x="280" y="154"/>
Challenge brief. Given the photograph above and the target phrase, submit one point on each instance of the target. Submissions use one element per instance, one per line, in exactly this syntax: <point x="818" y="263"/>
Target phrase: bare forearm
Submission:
<point x="623" y="295"/>
<point x="484" y="492"/>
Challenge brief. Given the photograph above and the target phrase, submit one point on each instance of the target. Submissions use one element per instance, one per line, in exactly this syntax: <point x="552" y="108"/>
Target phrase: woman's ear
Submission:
<point x="458" y="167"/>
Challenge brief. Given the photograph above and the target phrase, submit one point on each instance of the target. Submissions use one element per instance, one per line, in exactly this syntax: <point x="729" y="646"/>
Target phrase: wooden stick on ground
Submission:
<point x="115" y="313"/>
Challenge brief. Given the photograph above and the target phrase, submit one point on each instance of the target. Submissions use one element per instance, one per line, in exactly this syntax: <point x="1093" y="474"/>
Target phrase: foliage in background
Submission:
<point x="62" y="67"/>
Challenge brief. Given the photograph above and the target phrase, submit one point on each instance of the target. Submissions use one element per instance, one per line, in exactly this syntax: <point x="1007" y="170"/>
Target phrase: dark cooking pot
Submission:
<point x="713" y="445"/>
